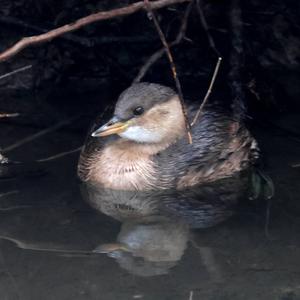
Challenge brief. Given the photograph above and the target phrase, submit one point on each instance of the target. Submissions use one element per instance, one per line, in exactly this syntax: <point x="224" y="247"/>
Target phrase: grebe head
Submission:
<point x="145" y="113"/>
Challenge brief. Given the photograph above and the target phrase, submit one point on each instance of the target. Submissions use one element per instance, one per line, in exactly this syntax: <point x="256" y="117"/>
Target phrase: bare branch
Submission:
<point x="237" y="61"/>
<point x="39" y="134"/>
<point x="211" y="85"/>
<point x="100" y="16"/>
<point x="158" y="54"/>
<point x="59" y="155"/>
<point x="217" y="67"/>
<point x="147" y="65"/>
<point x="296" y="165"/>
<point x="8" y="115"/>
<point x="15" y="71"/>
<point x="206" y="28"/>
<point x="173" y="67"/>
<point x="79" y="40"/>
<point x="9" y="193"/>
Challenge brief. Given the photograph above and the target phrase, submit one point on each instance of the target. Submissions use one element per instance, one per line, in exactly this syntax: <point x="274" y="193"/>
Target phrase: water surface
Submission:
<point x="53" y="245"/>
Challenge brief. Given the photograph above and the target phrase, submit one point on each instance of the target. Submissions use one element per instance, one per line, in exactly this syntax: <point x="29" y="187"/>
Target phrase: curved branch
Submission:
<point x="100" y="16"/>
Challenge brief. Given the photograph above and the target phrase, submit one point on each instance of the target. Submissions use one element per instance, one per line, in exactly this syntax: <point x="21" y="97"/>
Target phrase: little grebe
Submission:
<point x="144" y="145"/>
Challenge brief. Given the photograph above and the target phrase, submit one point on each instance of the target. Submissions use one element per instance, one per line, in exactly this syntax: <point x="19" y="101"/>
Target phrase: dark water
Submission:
<point x="53" y="245"/>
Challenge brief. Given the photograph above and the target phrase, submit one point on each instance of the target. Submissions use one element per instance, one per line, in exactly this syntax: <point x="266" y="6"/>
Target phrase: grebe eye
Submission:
<point x="138" y="111"/>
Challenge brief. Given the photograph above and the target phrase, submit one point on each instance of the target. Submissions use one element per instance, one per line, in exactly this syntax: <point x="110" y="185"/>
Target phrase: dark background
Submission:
<point x="85" y="70"/>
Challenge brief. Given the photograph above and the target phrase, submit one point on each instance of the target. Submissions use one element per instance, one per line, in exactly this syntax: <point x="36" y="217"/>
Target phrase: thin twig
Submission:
<point x="159" y="53"/>
<point x="237" y="61"/>
<point x="39" y="134"/>
<point x="173" y="67"/>
<point x="10" y="208"/>
<point x="15" y="71"/>
<point x="206" y="28"/>
<point x="3" y="159"/>
<point x="100" y="16"/>
<point x="150" y="61"/>
<point x="211" y="85"/>
<point x="9" y="115"/>
<point x="59" y="155"/>
<point x="217" y="67"/>
<point x="9" y="193"/>
<point x="295" y="165"/>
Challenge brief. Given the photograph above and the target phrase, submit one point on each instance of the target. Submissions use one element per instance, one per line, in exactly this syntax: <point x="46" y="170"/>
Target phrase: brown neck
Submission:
<point x="167" y="119"/>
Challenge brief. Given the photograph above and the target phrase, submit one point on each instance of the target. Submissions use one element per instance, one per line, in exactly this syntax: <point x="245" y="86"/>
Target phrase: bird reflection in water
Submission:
<point x="156" y="225"/>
